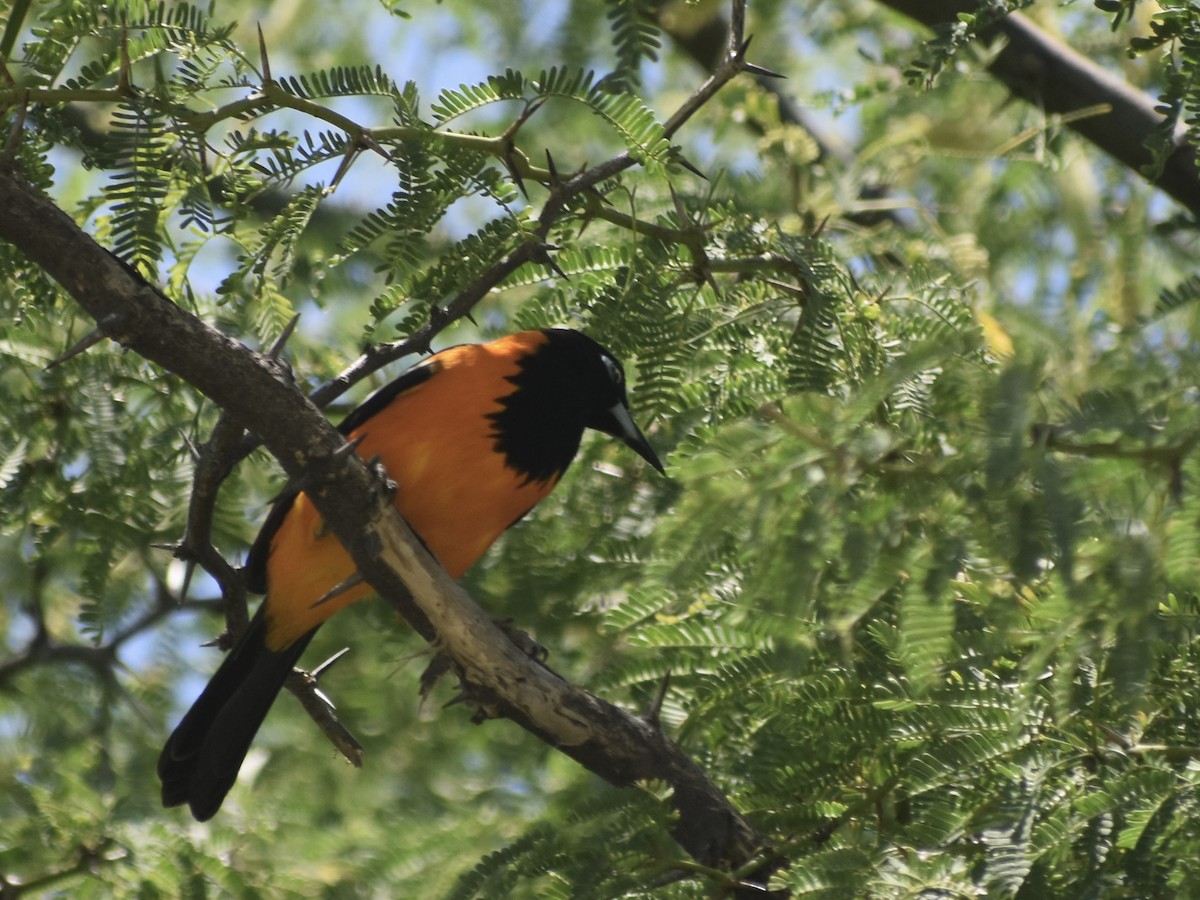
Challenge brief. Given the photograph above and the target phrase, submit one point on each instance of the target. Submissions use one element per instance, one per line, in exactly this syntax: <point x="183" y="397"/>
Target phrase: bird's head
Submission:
<point x="602" y="388"/>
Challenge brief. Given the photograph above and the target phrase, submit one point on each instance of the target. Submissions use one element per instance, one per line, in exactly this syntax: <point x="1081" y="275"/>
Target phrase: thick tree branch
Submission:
<point x="621" y="748"/>
<point x="1044" y="71"/>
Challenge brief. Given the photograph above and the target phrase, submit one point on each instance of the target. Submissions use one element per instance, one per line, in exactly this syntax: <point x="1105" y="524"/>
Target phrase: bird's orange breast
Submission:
<point x="453" y="486"/>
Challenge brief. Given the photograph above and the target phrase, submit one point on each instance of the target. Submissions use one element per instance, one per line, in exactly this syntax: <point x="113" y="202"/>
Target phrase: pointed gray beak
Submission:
<point x="627" y="432"/>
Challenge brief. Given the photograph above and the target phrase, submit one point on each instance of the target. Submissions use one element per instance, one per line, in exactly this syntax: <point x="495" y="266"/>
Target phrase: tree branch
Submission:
<point x="1046" y="72"/>
<point x="44" y="649"/>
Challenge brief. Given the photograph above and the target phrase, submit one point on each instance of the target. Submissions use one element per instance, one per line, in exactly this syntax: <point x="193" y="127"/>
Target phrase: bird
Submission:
<point x="473" y="438"/>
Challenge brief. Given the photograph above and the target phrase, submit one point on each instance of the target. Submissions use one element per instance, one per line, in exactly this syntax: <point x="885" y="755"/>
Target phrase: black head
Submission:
<point x="567" y="384"/>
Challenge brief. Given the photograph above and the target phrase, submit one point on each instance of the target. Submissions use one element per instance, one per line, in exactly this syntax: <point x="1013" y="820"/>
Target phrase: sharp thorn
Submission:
<point x="552" y="169"/>
<point x="595" y="195"/>
<point x="513" y="172"/>
<point x="348" y="448"/>
<point x="368" y="141"/>
<point x="189" y="569"/>
<point x="192" y="449"/>
<point x="531" y="108"/>
<point x="325" y="666"/>
<point x="262" y="52"/>
<point x="89" y="340"/>
<point x="284" y="337"/>
<point x="541" y="254"/>
<point x="683" y="161"/>
<point x="761" y="71"/>
<point x="654" y="714"/>
<point x="353" y="581"/>
<point x="347" y="160"/>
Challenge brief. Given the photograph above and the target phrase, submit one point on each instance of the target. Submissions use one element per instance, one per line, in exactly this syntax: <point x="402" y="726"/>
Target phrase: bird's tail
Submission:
<point x="200" y="762"/>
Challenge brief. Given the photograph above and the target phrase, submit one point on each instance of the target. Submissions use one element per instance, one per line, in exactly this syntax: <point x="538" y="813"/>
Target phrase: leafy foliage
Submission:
<point x="920" y="592"/>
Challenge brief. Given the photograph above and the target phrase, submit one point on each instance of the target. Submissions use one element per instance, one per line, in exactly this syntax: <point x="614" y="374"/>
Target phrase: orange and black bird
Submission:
<point x="474" y="437"/>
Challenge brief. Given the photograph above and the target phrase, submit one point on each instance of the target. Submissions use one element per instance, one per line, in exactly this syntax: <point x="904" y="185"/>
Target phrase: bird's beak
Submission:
<point x="624" y="429"/>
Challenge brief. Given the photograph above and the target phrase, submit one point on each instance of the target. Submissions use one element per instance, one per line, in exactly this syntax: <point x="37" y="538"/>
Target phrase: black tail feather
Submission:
<point x="202" y="757"/>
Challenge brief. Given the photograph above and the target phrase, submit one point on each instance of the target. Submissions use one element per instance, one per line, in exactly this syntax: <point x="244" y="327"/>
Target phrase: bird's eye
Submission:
<point x="614" y="369"/>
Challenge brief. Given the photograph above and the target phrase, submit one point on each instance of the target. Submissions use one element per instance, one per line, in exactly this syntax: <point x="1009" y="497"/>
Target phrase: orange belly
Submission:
<point x="453" y="488"/>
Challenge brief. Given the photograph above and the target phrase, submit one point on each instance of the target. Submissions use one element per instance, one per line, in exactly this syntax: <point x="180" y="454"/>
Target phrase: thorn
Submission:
<point x="761" y="71"/>
<point x="123" y="75"/>
<point x="189" y="569"/>
<point x="192" y="449"/>
<point x="373" y="144"/>
<point x="595" y="195"/>
<point x="686" y="163"/>
<point x="354" y="580"/>
<point x="552" y="169"/>
<point x="326" y="666"/>
<point x="347" y="448"/>
<point x="654" y="714"/>
<point x="262" y="52"/>
<point x="785" y="287"/>
<point x="542" y="256"/>
<point x="347" y="160"/>
<point x="323" y="697"/>
<point x="531" y="107"/>
<point x="165" y="545"/>
<point x="284" y="337"/>
<point x="510" y="148"/>
<point x="215" y="642"/>
<point x="513" y="173"/>
<point x="89" y="340"/>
